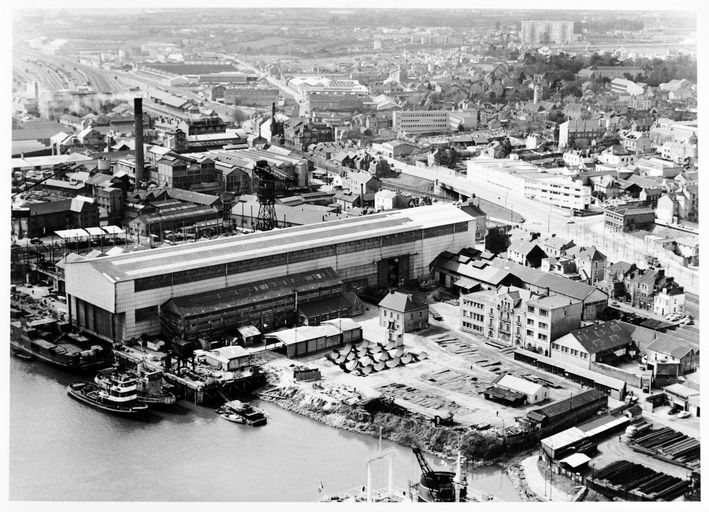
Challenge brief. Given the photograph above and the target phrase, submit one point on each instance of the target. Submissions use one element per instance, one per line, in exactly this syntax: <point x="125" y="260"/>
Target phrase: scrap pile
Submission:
<point x="670" y="445"/>
<point x="635" y="481"/>
<point x="368" y="357"/>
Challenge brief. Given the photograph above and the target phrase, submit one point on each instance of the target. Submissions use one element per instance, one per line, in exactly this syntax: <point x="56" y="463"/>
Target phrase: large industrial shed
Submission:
<point x="269" y="303"/>
<point x="118" y="297"/>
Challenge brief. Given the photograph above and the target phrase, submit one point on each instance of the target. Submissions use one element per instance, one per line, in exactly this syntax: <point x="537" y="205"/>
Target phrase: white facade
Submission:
<point x="105" y="294"/>
<point x="665" y="303"/>
<point x="413" y="121"/>
<point x="561" y="192"/>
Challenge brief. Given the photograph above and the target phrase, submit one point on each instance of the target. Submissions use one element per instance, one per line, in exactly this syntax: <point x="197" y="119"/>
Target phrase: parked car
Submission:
<point x="435" y="315"/>
<point x="683" y="414"/>
<point x="36" y="241"/>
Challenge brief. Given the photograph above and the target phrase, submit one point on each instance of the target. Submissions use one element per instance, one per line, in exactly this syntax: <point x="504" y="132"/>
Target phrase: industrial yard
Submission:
<point x="444" y="379"/>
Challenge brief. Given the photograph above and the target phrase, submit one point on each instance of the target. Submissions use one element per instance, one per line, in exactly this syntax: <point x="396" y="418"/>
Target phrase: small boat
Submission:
<point x="93" y="395"/>
<point x="249" y="414"/>
<point x="230" y="416"/>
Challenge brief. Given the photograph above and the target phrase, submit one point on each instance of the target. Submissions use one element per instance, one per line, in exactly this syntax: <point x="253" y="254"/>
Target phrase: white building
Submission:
<point x="119" y="297"/>
<point x="419" y="121"/>
<point x="563" y="192"/>
<point x="541" y="31"/>
<point x="669" y="301"/>
<point x="534" y="392"/>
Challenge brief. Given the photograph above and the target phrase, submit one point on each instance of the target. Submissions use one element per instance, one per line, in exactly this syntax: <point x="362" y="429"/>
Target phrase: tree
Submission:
<point x="238" y="116"/>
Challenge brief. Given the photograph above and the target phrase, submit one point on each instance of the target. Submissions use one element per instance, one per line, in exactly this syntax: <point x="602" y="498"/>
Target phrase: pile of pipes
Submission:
<point x="668" y="444"/>
<point x="630" y="480"/>
<point x="368" y="357"/>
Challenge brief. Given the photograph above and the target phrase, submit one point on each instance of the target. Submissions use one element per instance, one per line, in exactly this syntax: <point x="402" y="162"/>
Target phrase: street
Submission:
<point x="548" y="219"/>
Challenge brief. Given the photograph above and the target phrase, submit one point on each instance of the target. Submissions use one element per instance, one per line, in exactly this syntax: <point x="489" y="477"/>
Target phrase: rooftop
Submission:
<point x="403" y="302"/>
<point x="605" y="336"/>
<point x="243" y="247"/>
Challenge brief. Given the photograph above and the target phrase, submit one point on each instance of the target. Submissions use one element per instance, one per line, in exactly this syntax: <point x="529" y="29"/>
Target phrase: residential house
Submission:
<point x="542" y="283"/>
<point x="666" y="356"/>
<point x="635" y="142"/>
<point x="496" y="314"/>
<point x="615" y="275"/>
<point x="527" y="253"/>
<point x="590" y="263"/>
<point x="402" y="312"/>
<point x="669" y="300"/>
<point x="515" y="316"/>
<point x="642" y="286"/>
<point x="555" y="246"/>
<point x="391" y="200"/>
<point x="617" y="156"/>
<point x="548" y="318"/>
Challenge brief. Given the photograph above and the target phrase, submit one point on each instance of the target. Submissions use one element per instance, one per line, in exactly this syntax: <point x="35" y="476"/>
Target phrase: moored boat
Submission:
<point x="249" y="414"/>
<point x="109" y="401"/>
<point x="150" y="387"/>
<point x="53" y="342"/>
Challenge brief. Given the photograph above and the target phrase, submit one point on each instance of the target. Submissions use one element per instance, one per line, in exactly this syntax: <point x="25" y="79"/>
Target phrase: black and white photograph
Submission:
<point x="354" y="252"/>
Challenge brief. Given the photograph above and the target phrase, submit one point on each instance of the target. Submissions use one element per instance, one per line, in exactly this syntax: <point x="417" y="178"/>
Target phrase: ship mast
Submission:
<point x="460" y="480"/>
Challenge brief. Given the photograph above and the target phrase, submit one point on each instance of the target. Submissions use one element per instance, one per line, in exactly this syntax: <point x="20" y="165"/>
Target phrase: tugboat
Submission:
<point x="149" y="385"/>
<point x="119" y="397"/>
<point x="240" y="412"/>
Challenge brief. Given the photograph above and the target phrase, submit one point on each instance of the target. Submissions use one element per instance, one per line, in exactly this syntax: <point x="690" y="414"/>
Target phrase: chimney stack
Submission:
<point x="36" y="96"/>
<point x="139" y="157"/>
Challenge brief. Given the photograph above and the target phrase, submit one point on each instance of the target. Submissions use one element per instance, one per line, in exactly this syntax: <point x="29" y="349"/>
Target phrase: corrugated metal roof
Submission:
<point x="255" y="245"/>
<point x="235" y="296"/>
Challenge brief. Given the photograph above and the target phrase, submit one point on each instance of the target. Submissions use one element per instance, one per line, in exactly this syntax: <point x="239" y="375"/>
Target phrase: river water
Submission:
<point x="61" y="449"/>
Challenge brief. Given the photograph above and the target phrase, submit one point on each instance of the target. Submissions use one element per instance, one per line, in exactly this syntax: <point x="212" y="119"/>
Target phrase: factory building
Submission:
<point x="268" y="303"/>
<point x="120" y="297"/>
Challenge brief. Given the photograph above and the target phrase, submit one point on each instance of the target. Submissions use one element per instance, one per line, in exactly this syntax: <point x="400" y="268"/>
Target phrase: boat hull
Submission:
<point x="71" y="365"/>
<point x="82" y="391"/>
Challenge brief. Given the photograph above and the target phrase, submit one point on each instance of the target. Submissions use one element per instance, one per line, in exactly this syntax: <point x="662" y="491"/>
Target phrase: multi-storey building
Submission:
<point x="515" y="316"/>
<point x="548" y="318"/>
<point x="420" y="121"/>
<point x="578" y="133"/>
<point x="536" y="32"/>
<point x="619" y="219"/>
<point x="561" y="191"/>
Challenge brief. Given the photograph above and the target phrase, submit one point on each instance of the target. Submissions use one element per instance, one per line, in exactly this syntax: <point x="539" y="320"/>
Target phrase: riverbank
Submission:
<point x="378" y="416"/>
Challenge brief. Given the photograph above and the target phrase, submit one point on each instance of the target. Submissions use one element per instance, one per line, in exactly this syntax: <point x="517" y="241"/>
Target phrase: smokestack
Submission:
<point x="36" y="96"/>
<point x="139" y="157"/>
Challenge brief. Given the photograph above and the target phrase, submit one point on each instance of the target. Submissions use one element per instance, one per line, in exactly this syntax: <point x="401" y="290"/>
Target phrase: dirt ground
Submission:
<point x="459" y="389"/>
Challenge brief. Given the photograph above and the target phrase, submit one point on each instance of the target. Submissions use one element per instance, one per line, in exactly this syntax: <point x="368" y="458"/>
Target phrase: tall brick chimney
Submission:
<point x="139" y="156"/>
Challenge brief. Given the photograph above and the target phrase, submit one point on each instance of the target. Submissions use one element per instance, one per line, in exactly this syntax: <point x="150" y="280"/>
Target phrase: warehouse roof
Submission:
<point x="305" y="333"/>
<point x="606" y="336"/>
<point x="235" y="296"/>
<point x="520" y="385"/>
<point x="562" y="407"/>
<point x="558" y="284"/>
<point x="243" y="247"/>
